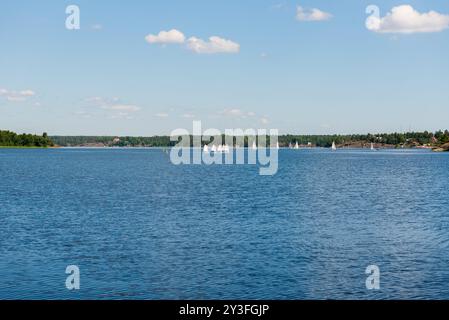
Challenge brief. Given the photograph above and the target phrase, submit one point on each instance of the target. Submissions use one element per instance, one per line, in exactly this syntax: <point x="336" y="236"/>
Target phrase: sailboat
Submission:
<point x="254" y="145"/>
<point x="296" y="145"/>
<point x="220" y="148"/>
<point x="206" y="149"/>
<point x="226" y="148"/>
<point x="334" y="147"/>
<point x="372" y="146"/>
<point x="214" y="148"/>
<point x="290" y="145"/>
<point x="277" y="145"/>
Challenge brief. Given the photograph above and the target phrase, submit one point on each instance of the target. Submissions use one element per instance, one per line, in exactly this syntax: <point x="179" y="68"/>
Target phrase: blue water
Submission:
<point x="139" y="227"/>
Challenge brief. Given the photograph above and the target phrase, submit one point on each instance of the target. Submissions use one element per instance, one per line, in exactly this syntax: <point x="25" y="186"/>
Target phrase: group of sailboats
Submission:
<point x="216" y="149"/>
<point x="226" y="149"/>
<point x="334" y="146"/>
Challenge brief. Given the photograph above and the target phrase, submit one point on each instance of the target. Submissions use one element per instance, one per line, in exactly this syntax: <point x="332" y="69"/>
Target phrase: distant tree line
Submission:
<point x="395" y="139"/>
<point x="11" y="139"/>
<point x="110" y="141"/>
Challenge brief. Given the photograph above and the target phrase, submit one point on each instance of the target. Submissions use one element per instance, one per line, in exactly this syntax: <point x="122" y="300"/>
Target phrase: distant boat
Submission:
<point x="226" y="148"/>
<point x="372" y="146"/>
<point x="290" y="145"/>
<point x="254" y="145"/>
<point x="334" y="147"/>
<point x="206" y="149"/>
<point x="296" y="145"/>
<point x="214" y="148"/>
<point x="220" y="148"/>
<point x="277" y="145"/>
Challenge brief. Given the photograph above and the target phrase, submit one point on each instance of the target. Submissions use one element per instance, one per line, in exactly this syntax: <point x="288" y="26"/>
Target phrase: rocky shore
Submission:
<point x="443" y="148"/>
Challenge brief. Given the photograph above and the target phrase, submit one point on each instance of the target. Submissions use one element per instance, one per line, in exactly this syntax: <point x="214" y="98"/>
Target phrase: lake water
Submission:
<point x="139" y="227"/>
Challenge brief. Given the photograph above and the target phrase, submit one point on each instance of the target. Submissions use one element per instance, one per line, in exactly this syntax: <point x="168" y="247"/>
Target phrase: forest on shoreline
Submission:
<point x="11" y="139"/>
<point x="410" y="139"/>
<point x="390" y="140"/>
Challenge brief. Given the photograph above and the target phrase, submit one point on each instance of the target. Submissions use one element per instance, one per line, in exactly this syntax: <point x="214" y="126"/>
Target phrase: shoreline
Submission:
<point x="380" y="149"/>
<point x="26" y="147"/>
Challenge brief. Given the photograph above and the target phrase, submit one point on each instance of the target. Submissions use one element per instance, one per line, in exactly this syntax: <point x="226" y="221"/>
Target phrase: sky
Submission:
<point x="148" y="67"/>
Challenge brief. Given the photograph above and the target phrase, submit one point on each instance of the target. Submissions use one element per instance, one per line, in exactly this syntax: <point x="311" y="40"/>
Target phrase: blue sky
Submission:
<point x="277" y="69"/>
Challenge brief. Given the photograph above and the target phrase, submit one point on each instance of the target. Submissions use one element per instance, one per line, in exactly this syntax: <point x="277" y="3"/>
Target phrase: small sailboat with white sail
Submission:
<point x="206" y="148"/>
<point x="334" y="147"/>
<point x="254" y="145"/>
<point x="296" y="146"/>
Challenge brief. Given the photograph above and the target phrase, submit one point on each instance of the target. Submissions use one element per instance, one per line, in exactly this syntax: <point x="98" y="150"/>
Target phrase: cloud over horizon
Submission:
<point x="121" y="107"/>
<point x="313" y="14"/>
<point x="17" y="96"/>
<point x="166" y="37"/>
<point x="214" y="44"/>
<point x="113" y="106"/>
<point x="406" y="20"/>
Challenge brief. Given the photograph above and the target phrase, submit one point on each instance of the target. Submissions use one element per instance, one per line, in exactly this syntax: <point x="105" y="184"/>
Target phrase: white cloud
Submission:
<point x="95" y="99"/>
<point x="83" y="114"/>
<point x="264" y="120"/>
<point x="214" y="45"/>
<point x="122" y="115"/>
<point x="311" y="14"/>
<point x="237" y="113"/>
<point x="164" y="37"/>
<point x="405" y="19"/>
<point x="121" y="107"/>
<point x="233" y="112"/>
<point x="27" y="93"/>
<point x="113" y="106"/>
<point x="16" y="96"/>
<point x="161" y="115"/>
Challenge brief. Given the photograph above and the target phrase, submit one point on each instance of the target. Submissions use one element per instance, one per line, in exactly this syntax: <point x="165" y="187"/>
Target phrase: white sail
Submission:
<point x="334" y="147"/>
<point x="206" y="148"/>
<point x="214" y="148"/>
<point x="372" y="146"/>
<point x="277" y="145"/>
<point x="254" y="145"/>
<point x="296" y="145"/>
<point x="220" y="148"/>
